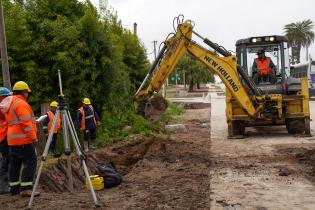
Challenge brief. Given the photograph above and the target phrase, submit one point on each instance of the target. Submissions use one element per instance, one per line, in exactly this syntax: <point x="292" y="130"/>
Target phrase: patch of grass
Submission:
<point x="164" y="136"/>
<point x="117" y="127"/>
<point x="173" y="113"/>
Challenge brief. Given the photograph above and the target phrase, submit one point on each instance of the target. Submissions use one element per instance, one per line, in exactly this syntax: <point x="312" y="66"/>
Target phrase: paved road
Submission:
<point x="245" y="172"/>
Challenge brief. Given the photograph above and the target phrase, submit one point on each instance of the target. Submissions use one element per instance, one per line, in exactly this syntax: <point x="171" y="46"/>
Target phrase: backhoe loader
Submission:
<point x="283" y="102"/>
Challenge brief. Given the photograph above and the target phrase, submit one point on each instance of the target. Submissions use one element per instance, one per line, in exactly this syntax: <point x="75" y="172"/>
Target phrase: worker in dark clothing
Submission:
<point x="87" y="119"/>
<point x="264" y="70"/>
<point x="4" y="148"/>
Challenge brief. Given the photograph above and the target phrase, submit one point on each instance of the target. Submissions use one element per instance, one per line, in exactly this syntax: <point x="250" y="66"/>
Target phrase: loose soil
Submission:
<point x="157" y="174"/>
<point x="267" y="170"/>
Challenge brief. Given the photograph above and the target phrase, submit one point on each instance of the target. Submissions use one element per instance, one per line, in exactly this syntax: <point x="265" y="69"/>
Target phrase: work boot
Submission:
<point x="15" y="190"/>
<point x="91" y="146"/>
<point x="5" y="190"/>
<point x="28" y="193"/>
<point x="57" y="154"/>
<point x="86" y="146"/>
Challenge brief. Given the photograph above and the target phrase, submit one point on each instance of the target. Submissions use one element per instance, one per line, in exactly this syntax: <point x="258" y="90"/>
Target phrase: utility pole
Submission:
<point x="154" y="48"/>
<point x="154" y="51"/>
<point x="184" y="78"/>
<point x="135" y="29"/>
<point x="4" y="56"/>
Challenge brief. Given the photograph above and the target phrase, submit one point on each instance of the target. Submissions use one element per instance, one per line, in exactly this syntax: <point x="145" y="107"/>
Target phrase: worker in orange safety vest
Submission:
<point x="4" y="148"/>
<point x="264" y="69"/>
<point x="21" y="136"/>
<point x="47" y="123"/>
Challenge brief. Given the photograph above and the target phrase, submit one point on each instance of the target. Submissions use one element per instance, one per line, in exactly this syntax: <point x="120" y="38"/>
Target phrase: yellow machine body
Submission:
<point x="246" y="104"/>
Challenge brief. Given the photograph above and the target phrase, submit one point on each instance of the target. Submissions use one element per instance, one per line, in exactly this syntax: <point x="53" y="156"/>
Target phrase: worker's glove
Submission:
<point x="81" y="130"/>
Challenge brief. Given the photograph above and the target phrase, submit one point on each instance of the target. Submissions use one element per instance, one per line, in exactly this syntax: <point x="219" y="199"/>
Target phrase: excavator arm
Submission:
<point x="225" y="67"/>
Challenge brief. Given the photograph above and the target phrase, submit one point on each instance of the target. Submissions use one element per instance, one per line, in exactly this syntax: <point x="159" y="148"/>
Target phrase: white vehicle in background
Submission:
<point x="305" y="70"/>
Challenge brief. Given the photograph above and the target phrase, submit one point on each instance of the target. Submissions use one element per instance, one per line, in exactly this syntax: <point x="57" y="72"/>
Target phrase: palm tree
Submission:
<point x="300" y="34"/>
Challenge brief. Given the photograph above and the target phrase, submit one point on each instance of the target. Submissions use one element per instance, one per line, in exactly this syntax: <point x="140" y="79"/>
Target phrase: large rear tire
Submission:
<point x="236" y="129"/>
<point x="307" y="126"/>
<point x="295" y="125"/>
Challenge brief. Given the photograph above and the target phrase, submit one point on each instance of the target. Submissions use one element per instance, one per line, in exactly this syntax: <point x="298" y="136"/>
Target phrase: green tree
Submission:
<point x="196" y="71"/>
<point x="97" y="56"/>
<point x="18" y="40"/>
<point x="300" y="34"/>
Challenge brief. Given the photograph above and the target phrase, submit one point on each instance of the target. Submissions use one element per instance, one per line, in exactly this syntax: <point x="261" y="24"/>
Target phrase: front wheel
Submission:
<point x="295" y="125"/>
<point x="236" y="129"/>
<point x="307" y="126"/>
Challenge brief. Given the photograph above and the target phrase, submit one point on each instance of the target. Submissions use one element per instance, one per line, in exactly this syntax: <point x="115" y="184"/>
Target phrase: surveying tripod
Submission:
<point x="67" y="125"/>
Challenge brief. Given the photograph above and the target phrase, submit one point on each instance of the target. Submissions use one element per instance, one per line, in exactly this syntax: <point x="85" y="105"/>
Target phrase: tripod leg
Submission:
<point x="44" y="155"/>
<point x="72" y="127"/>
<point x="67" y="149"/>
<point x="80" y="154"/>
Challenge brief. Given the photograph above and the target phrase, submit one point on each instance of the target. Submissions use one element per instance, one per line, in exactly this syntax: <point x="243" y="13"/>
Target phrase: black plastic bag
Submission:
<point x="109" y="172"/>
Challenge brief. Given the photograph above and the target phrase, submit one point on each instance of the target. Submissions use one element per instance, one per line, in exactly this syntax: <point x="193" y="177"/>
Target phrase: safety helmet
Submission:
<point x="21" y="85"/>
<point x="86" y="101"/>
<point x="53" y="104"/>
<point x="5" y="91"/>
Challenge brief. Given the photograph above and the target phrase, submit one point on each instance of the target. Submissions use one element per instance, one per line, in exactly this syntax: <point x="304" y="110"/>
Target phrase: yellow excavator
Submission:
<point x="283" y="102"/>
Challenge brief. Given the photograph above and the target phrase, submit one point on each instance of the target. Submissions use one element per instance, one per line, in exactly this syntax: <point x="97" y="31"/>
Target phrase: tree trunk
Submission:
<point x="298" y="56"/>
<point x="198" y="85"/>
<point x="184" y="78"/>
<point x="41" y="139"/>
<point x="306" y="53"/>
<point x="191" y="82"/>
<point x="41" y="136"/>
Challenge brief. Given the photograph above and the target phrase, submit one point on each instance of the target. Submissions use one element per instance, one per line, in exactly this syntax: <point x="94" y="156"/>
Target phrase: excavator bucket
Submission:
<point x="153" y="108"/>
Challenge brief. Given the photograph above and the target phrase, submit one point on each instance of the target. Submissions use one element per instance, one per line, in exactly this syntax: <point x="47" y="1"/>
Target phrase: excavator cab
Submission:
<point x="276" y="48"/>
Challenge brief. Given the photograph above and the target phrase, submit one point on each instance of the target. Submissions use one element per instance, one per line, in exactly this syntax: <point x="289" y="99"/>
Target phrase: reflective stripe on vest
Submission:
<point x="51" y="118"/>
<point x="24" y="184"/>
<point x="263" y="67"/>
<point x="86" y="117"/>
<point x="14" y="183"/>
<point x="16" y="136"/>
<point x="16" y="120"/>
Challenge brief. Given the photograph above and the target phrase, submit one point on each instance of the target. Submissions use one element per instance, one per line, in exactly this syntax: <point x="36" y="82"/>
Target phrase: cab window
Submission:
<point x="272" y="51"/>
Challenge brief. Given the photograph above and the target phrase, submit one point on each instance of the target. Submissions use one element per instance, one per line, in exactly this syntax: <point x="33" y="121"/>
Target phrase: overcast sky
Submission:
<point x="221" y="21"/>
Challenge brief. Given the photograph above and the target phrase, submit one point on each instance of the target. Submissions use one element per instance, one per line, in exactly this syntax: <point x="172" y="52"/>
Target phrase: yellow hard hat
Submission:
<point x="86" y="101"/>
<point x="21" y="85"/>
<point x="54" y="104"/>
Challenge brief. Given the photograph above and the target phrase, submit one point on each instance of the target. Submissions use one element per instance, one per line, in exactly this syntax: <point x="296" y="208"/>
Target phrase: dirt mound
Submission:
<point x="304" y="156"/>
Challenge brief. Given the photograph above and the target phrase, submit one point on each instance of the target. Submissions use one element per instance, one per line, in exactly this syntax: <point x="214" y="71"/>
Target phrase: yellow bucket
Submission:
<point x="97" y="182"/>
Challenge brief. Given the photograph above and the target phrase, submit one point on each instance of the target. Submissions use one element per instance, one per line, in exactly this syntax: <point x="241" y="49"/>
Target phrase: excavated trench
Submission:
<point x="124" y="156"/>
